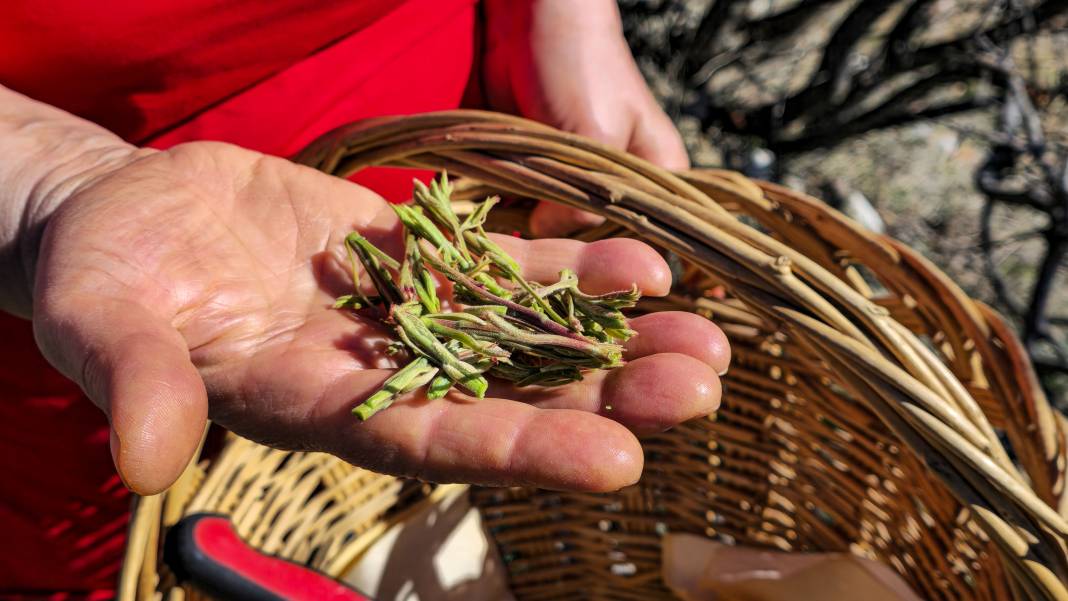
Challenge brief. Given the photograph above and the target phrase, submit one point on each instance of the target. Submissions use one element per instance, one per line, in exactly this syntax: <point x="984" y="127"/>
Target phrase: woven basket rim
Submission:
<point x="877" y="358"/>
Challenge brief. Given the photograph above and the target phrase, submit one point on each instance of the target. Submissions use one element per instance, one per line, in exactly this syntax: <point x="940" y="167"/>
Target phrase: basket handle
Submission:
<point x="204" y="550"/>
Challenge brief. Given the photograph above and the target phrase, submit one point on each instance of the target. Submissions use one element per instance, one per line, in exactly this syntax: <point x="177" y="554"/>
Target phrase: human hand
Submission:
<point x="198" y="282"/>
<point x="567" y="64"/>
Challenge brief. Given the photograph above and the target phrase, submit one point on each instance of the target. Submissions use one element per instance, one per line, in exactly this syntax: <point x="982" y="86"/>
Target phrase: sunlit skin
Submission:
<point x="571" y="68"/>
<point x="197" y="282"/>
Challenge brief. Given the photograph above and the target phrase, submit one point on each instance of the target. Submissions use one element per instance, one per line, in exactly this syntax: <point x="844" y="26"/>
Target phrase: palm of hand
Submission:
<point x="202" y="277"/>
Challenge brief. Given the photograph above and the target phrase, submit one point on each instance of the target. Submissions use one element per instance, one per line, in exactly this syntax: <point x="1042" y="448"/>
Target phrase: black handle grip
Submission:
<point x="204" y="550"/>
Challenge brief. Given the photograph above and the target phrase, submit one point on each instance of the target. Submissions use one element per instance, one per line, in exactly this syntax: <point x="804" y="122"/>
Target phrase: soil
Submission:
<point x="920" y="177"/>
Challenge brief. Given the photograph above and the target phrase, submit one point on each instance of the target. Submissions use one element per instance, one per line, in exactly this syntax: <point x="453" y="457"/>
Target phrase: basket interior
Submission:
<point x="791" y="461"/>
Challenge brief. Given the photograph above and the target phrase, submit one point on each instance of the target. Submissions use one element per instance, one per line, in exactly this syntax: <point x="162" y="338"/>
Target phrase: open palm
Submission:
<point x="198" y="282"/>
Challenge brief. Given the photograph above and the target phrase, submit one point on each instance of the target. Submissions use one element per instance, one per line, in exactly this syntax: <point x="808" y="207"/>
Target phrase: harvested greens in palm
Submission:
<point x="498" y="324"/>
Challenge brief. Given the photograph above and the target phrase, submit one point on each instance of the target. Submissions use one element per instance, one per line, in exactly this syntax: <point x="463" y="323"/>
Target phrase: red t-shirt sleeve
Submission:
<point x="269" y="75"/>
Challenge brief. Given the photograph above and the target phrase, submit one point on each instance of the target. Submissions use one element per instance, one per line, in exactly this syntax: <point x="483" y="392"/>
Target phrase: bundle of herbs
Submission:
<point x="498" y="323"/>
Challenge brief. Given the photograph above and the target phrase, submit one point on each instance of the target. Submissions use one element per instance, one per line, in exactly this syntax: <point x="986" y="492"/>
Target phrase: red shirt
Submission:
<point x="268" y="75"/>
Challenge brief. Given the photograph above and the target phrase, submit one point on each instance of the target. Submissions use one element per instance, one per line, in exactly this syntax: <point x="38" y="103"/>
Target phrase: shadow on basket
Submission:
<point x="872" y="407"/>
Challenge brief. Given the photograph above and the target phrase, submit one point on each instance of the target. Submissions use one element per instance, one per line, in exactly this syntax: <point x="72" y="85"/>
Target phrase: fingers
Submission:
<point x="497" y="442"/>
<point x="136" y="368"/>
<point x="300" y="395"/>
<point x="656" y="140"/>
<point x="672" y="376"/>
<point x="602" y="266"/>
<point x="680" y="332"/>
<point x="305" y="393"/>
<point x="649" y="394"/>
<point x="487" y="441"/>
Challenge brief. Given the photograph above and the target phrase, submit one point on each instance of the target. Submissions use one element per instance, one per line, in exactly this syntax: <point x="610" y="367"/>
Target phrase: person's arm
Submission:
<point x="46" y="154"/>
<point x="198" y="281"/>
<point x="566" y="63"/>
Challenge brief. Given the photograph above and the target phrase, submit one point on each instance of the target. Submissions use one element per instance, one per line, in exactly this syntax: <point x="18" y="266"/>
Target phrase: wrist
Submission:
<point x="46" y="156"/>
<point x="526" y="17"/>
<point x="518" y="32"/>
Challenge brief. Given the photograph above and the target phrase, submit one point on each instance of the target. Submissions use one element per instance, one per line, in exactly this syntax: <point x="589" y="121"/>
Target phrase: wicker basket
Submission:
<point x="871" y="405"/>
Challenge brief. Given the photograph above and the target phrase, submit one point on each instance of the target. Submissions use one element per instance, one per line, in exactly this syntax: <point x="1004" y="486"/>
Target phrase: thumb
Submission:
<point x="134" y="366"/>
<point x="554" y="220"/>
<point x="653" y="138"/>
<point x="656" y="140"/>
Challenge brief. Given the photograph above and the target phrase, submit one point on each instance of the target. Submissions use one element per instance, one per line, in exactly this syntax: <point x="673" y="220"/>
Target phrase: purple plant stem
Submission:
<point x="528" y="315"/>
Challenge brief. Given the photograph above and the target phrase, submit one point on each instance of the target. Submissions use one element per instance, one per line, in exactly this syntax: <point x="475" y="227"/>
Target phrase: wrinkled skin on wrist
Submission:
<point x="197" y="282"/>
<point x="45" y="154"/>
<point x="567" y="64"/>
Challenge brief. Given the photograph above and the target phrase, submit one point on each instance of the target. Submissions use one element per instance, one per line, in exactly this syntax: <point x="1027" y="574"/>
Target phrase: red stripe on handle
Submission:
<point x="216" y="538"/>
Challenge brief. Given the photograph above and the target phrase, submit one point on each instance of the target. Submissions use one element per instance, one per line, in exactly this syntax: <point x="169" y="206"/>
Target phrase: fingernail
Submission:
<point x="724" y="372"/>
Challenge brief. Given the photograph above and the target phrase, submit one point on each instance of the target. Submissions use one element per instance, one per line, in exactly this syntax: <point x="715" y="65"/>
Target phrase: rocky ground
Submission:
<point x="920" y="177"/>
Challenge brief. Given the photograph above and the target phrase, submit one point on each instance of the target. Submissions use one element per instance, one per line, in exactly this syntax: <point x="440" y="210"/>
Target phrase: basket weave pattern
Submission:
<point x="871" y="406"/>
